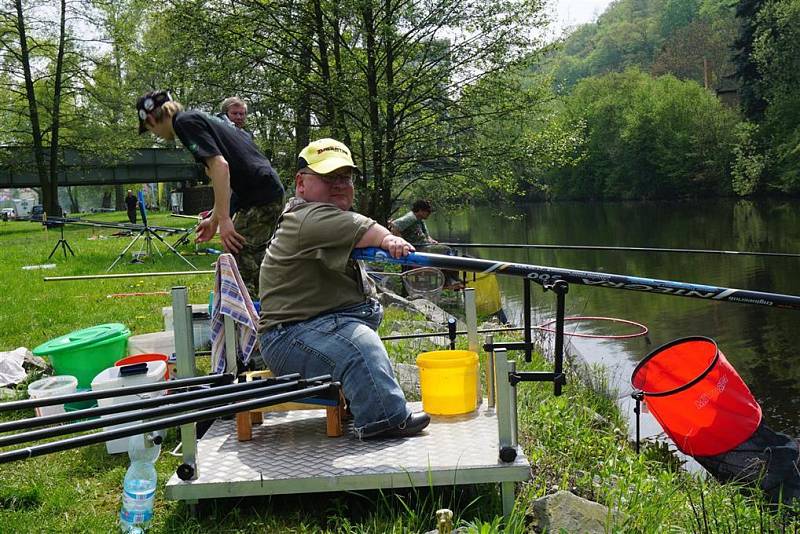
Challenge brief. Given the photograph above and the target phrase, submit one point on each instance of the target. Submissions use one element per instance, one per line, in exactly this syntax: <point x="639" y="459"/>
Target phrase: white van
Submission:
<point x="23" y="206"/>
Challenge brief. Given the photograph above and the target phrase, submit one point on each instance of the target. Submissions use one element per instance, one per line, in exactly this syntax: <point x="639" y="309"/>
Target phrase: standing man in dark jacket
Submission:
<point x="233" y="163"/>
<point x="130" y="204"/>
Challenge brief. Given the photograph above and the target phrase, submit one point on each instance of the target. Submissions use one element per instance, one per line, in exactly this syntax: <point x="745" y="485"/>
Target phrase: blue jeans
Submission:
<point x="344" y="344"/>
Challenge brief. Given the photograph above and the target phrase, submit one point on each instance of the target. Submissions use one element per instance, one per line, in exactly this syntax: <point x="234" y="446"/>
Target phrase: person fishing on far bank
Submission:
<point x="233" y="163"/>
<point x="413" y="229"/>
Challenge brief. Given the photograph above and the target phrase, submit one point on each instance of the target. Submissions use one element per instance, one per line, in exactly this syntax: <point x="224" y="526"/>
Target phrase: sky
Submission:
<point x="574" y="12"/>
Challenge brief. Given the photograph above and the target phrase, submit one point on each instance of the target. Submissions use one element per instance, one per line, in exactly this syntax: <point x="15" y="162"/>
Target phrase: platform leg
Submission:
<point x="257" y="417"/>
<point x="192" y="505"/>
<point x="334" y="422"/>
<point x="507" y="496"/>
<point x="185" y="366"/>
<point x="244" y="426"/>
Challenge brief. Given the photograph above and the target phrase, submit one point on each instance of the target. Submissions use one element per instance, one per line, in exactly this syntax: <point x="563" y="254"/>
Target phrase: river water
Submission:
<point x="760" y="342"/>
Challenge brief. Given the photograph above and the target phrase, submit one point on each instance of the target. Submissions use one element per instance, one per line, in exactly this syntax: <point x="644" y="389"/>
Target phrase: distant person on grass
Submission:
<point x="318" y="311"/>
<point x="131" y="203"/>
<point x="233" y="163"/>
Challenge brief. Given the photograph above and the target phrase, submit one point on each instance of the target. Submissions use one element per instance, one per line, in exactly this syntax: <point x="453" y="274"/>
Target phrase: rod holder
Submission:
<point x="451" y="331"/>
<point x="638" y="396"/>
<point x="560" y="288"/>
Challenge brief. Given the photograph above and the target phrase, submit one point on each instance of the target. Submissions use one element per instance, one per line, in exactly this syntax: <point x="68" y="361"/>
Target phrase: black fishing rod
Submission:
<point x="172" y="398"/>
<point x="114" y="392"/>
<point x="211" y="400"/>
<point x="548" y="275"/>
<point x="624" y="249"/>
<point x="167" y="422"/>
<point x="101" y="224"/>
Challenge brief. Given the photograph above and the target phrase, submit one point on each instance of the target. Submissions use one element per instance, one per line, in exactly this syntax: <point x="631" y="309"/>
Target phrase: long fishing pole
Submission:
<point x="167" y="422"/>
<point x="121" y="275"/>
<point x="101" y="224"/>
<point x="114" y="392"/>
<point x="245" y="391"/>
<point x="138" y="404"/>
<point x="546" y="275"/>
<point x="624" y="249"/>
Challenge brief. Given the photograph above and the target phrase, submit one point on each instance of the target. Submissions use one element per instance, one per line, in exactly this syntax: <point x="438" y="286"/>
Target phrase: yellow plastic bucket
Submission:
<point x="447" y="380"/>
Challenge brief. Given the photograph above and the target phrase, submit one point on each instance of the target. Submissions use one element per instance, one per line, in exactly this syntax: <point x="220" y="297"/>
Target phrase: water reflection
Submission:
<point x="759" y="341"/>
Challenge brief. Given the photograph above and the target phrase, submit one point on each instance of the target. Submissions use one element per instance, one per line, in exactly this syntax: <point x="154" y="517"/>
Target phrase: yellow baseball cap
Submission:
<point x="325" y="156"/>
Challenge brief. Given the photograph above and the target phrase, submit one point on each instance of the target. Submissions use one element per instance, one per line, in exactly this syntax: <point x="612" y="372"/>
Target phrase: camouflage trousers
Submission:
<point x="256" y="225"/>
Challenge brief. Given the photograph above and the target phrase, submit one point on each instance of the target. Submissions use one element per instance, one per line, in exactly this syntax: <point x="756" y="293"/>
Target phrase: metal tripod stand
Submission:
<point x="64" y="245"/>
<point x="148" y="234"/>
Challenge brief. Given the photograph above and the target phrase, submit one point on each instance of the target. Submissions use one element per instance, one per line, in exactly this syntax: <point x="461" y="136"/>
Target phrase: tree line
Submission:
<point x="451" y="99"/>
<point x="663" y="99"/>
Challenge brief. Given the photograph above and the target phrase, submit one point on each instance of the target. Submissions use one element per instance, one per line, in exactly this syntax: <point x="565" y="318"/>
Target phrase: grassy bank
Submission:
<point x="575" y="442"/>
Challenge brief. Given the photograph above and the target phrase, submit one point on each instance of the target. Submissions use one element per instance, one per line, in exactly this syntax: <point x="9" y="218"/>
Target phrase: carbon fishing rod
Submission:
<point x="167" y="422"/>
<point x="172" y="398"/>
<point x="121" y="275"/>
<point x="625" y="249"/>
<point x="211" y="400"/>
<point x="114" y="392"/>
<point x="101" y="224"/>
<point x="547" y="275"/>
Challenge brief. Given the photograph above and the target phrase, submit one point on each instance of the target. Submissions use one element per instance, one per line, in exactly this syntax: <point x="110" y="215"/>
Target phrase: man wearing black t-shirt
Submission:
<point x="233" y="163"/>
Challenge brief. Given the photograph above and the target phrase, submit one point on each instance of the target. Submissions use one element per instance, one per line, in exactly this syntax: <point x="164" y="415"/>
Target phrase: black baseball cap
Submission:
<point x="149" y="102"/>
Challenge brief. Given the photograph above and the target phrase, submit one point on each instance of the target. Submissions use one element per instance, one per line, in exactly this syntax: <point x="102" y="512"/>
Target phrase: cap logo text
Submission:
<point x="334" y="148"/>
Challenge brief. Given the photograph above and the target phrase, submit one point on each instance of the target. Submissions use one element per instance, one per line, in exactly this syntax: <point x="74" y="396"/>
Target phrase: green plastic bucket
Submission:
<point x="81" y="405"/>
<point x="85" y="353"/>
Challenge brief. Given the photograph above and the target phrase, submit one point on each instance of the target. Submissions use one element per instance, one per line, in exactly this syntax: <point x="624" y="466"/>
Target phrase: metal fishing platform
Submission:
<point x="290" y="453"/>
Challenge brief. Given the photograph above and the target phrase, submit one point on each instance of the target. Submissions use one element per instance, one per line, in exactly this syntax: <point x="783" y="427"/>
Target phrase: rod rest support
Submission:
<point x="559" y="287"/>
<point x="508" y="345"/>
<point x="536" y="376"/>
<point x="638" y="396"/>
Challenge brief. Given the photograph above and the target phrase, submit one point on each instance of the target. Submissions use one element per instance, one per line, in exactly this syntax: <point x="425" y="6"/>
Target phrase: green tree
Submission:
<point x="384" y="76"/>
<point x="747" y="72"/>
<point x="775" y="54"/>
<point x="645" y="137"/>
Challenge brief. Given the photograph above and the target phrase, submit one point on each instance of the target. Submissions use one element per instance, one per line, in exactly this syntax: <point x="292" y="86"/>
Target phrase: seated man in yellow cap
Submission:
<point x="318" y="314"/>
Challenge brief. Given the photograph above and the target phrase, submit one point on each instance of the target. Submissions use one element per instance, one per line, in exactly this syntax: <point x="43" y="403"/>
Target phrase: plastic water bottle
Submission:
<point x="139" y="486"/>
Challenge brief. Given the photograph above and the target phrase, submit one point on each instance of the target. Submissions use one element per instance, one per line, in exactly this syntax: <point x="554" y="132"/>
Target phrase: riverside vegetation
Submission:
<point x="576" y="442"/>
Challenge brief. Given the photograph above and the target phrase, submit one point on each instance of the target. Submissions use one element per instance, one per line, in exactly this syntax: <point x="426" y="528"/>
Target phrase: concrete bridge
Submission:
<point x="17" y="168"/>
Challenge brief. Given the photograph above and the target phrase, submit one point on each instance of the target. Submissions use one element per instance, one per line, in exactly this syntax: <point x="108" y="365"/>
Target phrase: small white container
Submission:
<point x="52" y="386"/>
<point x="111" y="378"/>
<point x="201" y="324"/>
<point x="199" y="311"/>
<point x="152" y="343"/>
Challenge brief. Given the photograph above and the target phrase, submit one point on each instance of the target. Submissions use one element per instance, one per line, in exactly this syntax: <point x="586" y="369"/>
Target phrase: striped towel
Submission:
<point x="232" y="299"/>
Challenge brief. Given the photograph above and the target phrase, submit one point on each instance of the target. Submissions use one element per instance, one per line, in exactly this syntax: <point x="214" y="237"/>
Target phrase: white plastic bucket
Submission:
<point x="111" y="379"/>
<point x="52" y="386"/>
<point x="152" y="343"/>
